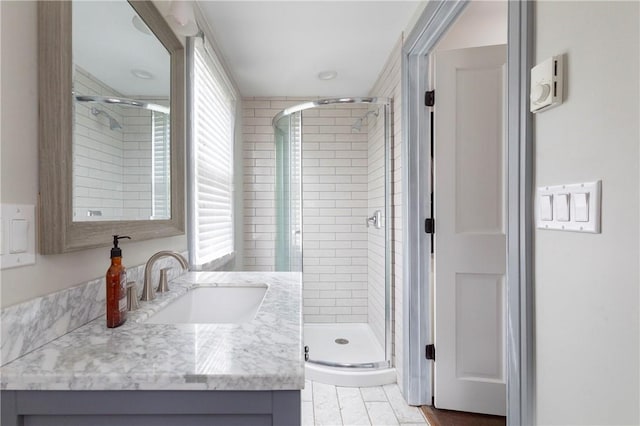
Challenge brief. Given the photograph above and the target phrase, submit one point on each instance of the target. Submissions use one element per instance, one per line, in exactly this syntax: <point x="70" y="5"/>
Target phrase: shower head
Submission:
<point x="113" y="123"/>
<point x="358" y="124"/>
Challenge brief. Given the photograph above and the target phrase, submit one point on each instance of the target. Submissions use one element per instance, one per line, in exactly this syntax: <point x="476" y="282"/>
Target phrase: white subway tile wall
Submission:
<point x="334" y="176"/>
<point x="259" y="181"/>
<point x="389" y="85"/>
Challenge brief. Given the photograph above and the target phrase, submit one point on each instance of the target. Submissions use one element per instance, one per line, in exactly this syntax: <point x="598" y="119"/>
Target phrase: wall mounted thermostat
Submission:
<point x="546" y="84"/>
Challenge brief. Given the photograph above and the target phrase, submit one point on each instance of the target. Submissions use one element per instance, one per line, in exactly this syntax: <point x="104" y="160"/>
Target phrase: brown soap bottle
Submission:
<point x="116" y="287"/>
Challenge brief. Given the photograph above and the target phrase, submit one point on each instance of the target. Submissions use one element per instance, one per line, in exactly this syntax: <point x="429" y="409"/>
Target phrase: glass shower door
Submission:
<point x="288" y="139"/>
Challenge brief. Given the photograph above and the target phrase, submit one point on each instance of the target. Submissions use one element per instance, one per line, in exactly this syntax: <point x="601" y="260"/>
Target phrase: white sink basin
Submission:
<point x="212" y="305"/>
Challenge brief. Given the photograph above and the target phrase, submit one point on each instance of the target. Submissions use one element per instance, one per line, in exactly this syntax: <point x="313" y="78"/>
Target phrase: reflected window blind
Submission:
<point x="213" y="113"/>
<point x="161" y="164"/>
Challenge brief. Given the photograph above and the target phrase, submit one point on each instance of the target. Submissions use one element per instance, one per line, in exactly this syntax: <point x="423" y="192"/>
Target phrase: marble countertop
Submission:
<point x="263" y="354"/>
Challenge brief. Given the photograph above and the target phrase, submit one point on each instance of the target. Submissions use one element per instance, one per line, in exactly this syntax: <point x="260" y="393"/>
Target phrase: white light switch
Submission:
<point x="546" y="208"/>
<point x="18" y="235"/>
<point x="581" y="206"/>
<point x="562" y="207"/>
<point x="574" y="207"/>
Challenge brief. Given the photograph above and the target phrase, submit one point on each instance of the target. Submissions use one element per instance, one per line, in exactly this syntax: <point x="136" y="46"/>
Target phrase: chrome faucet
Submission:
<point x="147" y="290"/>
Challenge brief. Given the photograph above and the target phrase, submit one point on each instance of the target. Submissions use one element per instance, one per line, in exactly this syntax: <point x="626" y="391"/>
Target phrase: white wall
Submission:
<point x="19" y="167"/>
<point x="481" y="23"/>
<point x="586" y="285"/>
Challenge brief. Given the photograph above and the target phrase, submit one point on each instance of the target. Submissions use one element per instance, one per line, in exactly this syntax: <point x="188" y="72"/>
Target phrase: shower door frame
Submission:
<point x="387" y="221"/>
<point x="284" y="185"/>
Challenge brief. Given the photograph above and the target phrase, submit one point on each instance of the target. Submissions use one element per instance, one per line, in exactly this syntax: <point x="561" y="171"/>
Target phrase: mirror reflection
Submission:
<point x="121" y="87"/>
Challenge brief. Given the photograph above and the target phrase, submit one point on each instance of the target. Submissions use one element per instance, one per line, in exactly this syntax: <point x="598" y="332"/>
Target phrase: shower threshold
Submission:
<point x="346" y="354"/>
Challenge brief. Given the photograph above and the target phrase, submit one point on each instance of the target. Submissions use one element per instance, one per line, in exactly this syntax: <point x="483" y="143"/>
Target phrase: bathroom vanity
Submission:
<point x="174" y="372"/>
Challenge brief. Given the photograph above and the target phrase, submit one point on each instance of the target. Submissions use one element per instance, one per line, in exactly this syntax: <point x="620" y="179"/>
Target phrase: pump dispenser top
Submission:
<point x="117" y="251"/>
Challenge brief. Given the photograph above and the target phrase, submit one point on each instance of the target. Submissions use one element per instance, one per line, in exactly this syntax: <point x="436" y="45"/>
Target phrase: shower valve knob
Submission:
<point x="306" y="353"/>
<point x="375" y="220"/>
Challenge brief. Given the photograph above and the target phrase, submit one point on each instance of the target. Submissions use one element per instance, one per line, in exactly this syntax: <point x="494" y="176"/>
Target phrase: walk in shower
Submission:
<point x="333" y="223"/>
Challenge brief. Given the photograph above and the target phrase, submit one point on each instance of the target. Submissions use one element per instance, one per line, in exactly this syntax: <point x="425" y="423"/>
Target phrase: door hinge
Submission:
<point x="430" y="352"/>
<point x="430" y="98"/>
<point x="430" y="225"/>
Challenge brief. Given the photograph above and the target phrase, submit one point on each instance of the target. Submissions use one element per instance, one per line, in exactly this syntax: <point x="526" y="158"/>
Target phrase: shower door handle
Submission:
<point x="375" y="220"/>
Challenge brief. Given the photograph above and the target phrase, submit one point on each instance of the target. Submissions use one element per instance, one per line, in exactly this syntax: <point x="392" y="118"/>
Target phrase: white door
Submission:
<point x="470" y="239"/>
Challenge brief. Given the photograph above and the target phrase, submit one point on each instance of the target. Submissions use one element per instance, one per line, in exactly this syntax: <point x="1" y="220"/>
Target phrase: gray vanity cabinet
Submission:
<point x="150" y="408"/>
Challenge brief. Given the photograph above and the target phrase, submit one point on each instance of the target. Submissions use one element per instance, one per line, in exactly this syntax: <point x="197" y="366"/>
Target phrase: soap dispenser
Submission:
<point x="116" y="287"/>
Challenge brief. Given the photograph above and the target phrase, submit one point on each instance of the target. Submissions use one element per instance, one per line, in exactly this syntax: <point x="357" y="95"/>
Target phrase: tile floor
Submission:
<point x="328" y="405"/>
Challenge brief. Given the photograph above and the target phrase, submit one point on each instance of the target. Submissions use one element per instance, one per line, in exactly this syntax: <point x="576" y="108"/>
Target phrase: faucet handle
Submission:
<point x="132" y="296"/>
<point x="163" y="285"/>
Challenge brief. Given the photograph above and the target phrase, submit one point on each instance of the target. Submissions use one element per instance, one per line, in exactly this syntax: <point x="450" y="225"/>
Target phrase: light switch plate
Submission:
<point x="580" y="217"/>
<point x="18" y="235"/>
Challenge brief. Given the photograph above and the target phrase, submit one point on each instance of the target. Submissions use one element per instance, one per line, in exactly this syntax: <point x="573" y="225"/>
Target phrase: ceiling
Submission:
<point x="277" y="48"/>
<point x="107" y="45"/>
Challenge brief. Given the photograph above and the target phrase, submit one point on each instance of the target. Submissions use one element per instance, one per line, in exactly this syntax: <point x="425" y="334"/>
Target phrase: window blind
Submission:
<point x="213" y="136"/>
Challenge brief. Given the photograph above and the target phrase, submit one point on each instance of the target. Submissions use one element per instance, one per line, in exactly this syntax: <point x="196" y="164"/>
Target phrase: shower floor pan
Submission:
<point x="345" y="343"/>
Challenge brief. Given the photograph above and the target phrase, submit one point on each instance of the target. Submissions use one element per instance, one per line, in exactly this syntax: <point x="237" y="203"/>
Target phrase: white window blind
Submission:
<point x="213" y="136"/>
<point x="161" y="164"/>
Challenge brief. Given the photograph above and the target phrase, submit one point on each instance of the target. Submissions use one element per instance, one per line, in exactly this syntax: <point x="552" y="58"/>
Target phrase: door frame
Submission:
<point x="417" y="373"/>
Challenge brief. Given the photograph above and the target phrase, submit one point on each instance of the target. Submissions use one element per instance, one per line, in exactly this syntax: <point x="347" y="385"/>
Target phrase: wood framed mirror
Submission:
<point x="65" y="223"/>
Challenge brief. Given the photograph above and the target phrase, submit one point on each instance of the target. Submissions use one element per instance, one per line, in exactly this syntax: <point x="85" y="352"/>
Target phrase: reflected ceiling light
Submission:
<point x="145" y="75"/>
<point x="327" y="75"/>
<point x="140" y="25"/>
<point x="181" y="18"/>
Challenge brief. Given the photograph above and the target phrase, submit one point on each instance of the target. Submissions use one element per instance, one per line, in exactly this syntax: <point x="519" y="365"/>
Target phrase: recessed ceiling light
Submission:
<point x="327" y="75"/>
<point x="145" y="75"/>
<point x="140" y="25"/>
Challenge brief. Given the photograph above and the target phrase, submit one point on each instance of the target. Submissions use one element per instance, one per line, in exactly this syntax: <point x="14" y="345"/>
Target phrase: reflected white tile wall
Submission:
<point x="112" y="167"/>
<point x="136" y="190"/>
<point x="98" y="157"/>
